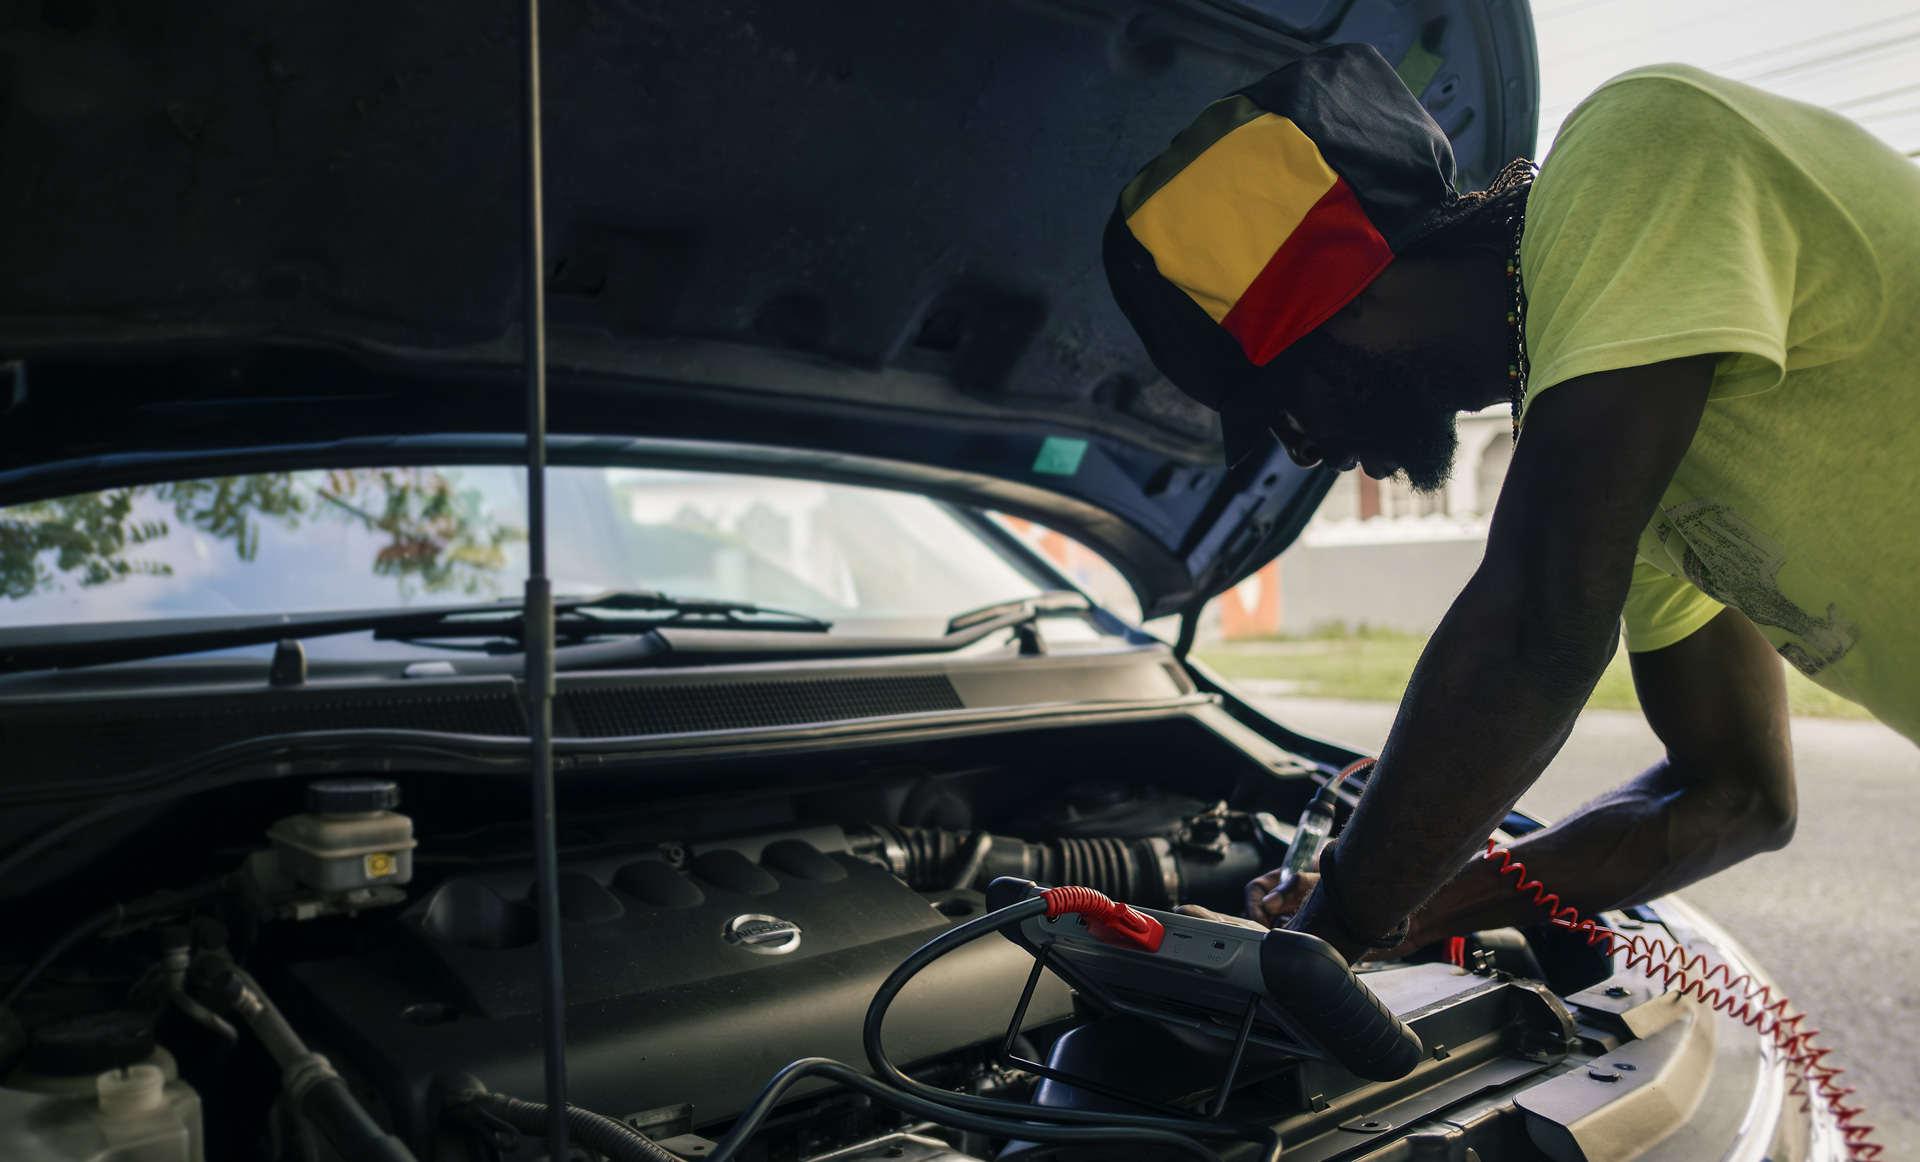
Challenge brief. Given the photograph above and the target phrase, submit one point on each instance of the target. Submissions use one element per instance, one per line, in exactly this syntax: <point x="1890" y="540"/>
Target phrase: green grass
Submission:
<point x="1374" y="665"/>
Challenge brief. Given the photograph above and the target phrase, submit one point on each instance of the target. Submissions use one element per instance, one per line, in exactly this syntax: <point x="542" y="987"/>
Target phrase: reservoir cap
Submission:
<point x="352" y="796"/>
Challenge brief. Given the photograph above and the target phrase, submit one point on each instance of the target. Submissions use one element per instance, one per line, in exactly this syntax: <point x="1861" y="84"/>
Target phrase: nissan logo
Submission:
<point x="766" y="935"/>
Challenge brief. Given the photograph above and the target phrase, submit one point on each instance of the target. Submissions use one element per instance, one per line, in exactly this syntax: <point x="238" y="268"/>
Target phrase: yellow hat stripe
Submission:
<point x="1212" y="227"/>
<point x="1215" y="121"/>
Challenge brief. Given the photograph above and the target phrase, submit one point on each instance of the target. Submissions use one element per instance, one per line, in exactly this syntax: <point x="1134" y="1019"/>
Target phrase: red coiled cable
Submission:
<point x="1741" y="997"/>
<point x="1350" y="768"/>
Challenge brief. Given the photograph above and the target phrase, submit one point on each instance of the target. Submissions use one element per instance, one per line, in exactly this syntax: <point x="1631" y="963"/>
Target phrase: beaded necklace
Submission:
<point x="1517" y="365"/>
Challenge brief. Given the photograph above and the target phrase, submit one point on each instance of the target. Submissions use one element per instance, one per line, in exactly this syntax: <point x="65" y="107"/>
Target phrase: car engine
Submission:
<point x="337" y="950"/>
<point x="700" y="958"/>
<point x="710" y="965"/>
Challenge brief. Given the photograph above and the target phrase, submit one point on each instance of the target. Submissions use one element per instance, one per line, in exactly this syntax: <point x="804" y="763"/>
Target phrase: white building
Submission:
<point x="1379" y="553"/>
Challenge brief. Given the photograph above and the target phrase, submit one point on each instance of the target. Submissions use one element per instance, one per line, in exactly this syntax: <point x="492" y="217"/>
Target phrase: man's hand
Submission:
<point x="1272" y="899"/>
<point x="1501" y="682"/>
<point x="1198" y="912"/>
<point x="1275" y="897"/>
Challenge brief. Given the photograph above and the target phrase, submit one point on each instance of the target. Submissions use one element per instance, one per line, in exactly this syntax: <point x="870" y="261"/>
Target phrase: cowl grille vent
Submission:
<point x="616" y="711"/>
<point x="93" y="741"/>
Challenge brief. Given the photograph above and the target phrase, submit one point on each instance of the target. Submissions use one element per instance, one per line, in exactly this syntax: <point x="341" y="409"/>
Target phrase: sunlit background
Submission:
<point x="1856" y="57"/>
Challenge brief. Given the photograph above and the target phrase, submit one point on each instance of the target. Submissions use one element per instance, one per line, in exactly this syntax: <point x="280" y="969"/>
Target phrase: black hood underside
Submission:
<point x="856" y="240"/>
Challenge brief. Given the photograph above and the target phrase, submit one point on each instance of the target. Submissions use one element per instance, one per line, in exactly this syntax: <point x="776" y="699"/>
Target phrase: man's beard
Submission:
<point x="1400" y="402"/>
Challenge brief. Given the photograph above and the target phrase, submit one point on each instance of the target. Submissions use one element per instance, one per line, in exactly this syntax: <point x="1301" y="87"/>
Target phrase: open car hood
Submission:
<point x="855" y="240"/>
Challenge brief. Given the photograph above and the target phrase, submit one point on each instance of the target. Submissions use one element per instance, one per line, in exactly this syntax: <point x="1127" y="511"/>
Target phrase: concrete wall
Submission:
<point x="1380" y="554"/>
<point x="1405" y="586"/>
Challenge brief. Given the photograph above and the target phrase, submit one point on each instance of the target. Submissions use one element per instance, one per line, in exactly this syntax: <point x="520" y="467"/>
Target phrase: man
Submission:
<point x="1719" y="292"/>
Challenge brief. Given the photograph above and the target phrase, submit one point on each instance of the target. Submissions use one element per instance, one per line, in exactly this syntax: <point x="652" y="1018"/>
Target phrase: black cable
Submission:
<point x="601" y="1134"/>
<point x="982" y="1115"/>
<point x="142" y="908"/>
<point x="944" y="943"/>
<point x="532" y="1117"/>
<point x="1105" y="1128"/>
<point x="67" y="939"/>
<point x="477" y="748"/>
<point x="203" y="773"/>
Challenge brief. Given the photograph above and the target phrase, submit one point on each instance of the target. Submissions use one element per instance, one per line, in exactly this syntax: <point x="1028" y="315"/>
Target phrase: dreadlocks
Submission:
<point x="1480" y="219"/>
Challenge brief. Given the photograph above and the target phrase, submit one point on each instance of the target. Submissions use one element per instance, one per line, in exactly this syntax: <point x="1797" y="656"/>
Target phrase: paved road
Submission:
<point x="1844" y="944"/>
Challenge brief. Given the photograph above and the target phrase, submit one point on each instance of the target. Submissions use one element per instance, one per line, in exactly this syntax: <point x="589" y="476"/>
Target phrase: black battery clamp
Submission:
<point x="1285" y="991"/>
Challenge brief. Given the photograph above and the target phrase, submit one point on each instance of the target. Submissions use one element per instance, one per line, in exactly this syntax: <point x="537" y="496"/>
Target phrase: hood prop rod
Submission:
<point x="538" y="614"/>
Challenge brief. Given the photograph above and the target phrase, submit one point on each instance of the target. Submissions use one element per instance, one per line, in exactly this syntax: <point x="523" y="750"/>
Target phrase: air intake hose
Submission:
<point x="1152" y="872"/>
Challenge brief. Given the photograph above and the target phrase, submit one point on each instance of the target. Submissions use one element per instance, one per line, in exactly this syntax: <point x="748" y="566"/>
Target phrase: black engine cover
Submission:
<point x="662" y="1007"/>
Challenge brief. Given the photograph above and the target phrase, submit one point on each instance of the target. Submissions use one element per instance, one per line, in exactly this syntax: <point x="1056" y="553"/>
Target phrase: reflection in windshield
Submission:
<point x="437" y="536"/>
<point x="866" y="559"/>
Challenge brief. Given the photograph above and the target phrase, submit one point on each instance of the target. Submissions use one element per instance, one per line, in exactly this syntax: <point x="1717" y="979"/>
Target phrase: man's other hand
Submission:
<point x="1274" y="897"/>
<point x="1199" y="913"/>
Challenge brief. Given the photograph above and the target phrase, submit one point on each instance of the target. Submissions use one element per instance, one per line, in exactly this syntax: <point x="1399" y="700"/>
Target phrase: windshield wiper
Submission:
<point x="1018" y="612"/>
<point x="576" y="619"/>
<point x="962" y="630"/>
<point x="613" y="613"/>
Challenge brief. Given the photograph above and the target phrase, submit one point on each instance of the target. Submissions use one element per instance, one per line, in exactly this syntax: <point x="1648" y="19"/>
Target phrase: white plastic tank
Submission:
<point x="138" y="1113"/>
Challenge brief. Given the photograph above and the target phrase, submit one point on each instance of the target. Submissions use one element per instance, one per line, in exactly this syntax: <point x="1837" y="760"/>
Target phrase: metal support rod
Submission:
<point x="537" y="619"/>
<point x="1189" y="626"/>
<point x="1233" y="1060"/>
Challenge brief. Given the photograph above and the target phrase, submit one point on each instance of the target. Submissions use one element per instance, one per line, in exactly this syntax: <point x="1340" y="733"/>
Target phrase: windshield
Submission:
<point x="866" y="559"/>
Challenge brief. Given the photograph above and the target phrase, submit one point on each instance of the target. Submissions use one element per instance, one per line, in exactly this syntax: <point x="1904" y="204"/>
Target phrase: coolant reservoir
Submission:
<point x="349" y="840"/>
<point x="136" y="1113"/>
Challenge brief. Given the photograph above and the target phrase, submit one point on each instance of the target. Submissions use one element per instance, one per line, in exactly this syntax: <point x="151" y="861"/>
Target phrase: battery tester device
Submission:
<point x="1281" y="990"/>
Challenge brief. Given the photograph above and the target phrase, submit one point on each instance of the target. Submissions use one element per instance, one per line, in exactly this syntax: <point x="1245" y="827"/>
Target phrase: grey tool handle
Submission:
<point x="1306" y="977"/>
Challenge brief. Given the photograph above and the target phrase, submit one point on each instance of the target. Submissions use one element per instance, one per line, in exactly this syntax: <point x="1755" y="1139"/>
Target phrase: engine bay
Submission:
<point x="710" y="937"/>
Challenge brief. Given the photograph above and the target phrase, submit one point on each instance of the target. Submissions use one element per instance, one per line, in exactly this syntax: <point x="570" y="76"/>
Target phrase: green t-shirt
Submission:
<point x="1682" y="214"/>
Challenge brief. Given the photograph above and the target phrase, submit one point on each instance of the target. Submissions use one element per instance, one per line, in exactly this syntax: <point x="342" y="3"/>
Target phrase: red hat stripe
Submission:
<point x="1324" y="263"/>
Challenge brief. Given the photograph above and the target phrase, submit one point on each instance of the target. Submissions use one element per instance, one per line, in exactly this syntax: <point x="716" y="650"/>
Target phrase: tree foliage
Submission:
<point x="438" y="536"/>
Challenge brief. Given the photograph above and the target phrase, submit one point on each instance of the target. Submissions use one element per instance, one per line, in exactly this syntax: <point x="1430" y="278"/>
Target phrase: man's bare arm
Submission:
<point x="1718" y="700"/>
<point x="1504" y="677"/>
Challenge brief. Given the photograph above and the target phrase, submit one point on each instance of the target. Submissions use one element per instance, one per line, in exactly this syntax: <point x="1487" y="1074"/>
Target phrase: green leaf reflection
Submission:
<point x="438" y="536"/>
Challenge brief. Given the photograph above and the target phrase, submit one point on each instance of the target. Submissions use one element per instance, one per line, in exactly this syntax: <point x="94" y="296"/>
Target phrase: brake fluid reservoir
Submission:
<point x="349" y="840"/>
<point x="137" y="1113"/>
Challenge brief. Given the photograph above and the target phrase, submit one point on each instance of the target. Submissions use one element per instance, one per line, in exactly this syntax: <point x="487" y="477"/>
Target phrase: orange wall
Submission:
<point x="1252" y="608"/>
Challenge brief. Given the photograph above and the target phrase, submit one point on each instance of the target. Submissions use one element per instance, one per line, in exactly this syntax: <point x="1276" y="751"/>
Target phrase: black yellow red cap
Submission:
<point x="1267" y="215"/>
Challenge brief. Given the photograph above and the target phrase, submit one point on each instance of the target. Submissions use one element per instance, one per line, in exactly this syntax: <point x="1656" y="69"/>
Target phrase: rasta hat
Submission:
<point x="1268" y="214"/>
